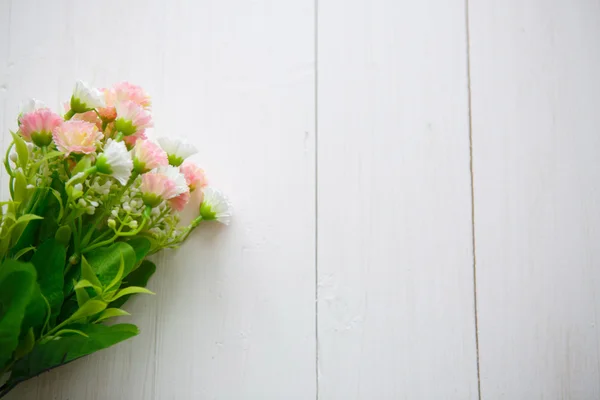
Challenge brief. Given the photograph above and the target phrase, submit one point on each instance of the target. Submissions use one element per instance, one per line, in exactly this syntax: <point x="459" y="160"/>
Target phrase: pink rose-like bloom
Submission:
<point x="147" y="156"/>
<point x="76" y="137"/>
<point x="128" y="91"/>
<point x="178" y="203"/>
<point x="194" y="175"/>
<point x="131" y="118"/>
<point x="38" y="125"/>
<point x="161" y="184"/>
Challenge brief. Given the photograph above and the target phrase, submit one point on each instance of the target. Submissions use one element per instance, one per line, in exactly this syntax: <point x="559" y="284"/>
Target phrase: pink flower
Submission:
<point x="37" y="126"/>
<point x="108" y="113"/>
<point x="88" y="116"/>
<point x="131" y="117"/>
<point x="76" y="137"/>
<point x="194" y="175"/>
<point x="162" y="184"/>
<point x="132" y="139"/>
<point x="178" y="203"/>
<point x="147" y="156"/>
<point x="127" y="91"/>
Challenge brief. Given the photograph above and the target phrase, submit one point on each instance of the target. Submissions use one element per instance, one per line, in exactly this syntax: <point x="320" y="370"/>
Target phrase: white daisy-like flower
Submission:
<point x="215" y="206"/>
<point x="86" y="98"/>
<point x="177" y="150"/>
<point x="116" y="161"/>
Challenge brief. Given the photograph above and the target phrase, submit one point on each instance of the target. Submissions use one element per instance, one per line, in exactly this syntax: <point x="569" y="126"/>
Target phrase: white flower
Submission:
<point x="115" y="161"/>
<point x="215" y="206"/>
<point x="85" y="98"/>
<point x="177" y="150"/>
<point x="31" y="105"/>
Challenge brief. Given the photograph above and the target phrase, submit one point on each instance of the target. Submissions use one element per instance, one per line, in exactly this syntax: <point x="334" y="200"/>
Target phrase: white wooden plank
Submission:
<point x="395" y="269"/>
<point x="535" y="94"/>
<point x="234" y="315"/>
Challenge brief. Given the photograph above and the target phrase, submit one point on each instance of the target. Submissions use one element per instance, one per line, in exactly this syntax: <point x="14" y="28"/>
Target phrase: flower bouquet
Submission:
<point x="91" y="198"/>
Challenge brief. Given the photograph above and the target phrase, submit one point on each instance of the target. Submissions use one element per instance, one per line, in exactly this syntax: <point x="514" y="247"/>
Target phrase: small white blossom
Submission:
<point x="133" y="224"/>
<point x="177" y="150"/>
<point x="215" y="206"/>
<point x="112" y="223"/>
<point x="115" y="161"/>
<point x="85" y="97"/>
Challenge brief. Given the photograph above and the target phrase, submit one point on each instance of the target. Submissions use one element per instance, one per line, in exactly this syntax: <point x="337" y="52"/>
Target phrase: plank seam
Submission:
<point x="473" y="242"/>
<point x="316" y="127"/>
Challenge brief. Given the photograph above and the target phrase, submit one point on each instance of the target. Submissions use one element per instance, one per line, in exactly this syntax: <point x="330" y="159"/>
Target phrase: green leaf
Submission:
<point x="57" y="352"/>
<point x="25" y="345"/>
<point x="21" y="149"/>
<point x="49" y="261"/>
<point x="82" y="296"/>
<point x="87" y="273"/>
<point x="17" y="283"/>
<point x="82" y="165"/>
<point x="131" y="290"/>
<point x="111" y="313"/>
<point x="20" y="187"/>
<point x="63" y="235"/>
<point x="141" y="246"/>
<point x="22" y="252"/>
<point x="116" y="282"/>
<point x="91" y="307"/>
<point x="62" y="332"/>
<point x="106" y="261"/>
<point x="139" y="277"/>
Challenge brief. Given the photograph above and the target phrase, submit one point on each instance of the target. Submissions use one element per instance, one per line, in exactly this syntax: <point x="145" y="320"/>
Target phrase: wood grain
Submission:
<point x="535" y="97"/>
<point x="395" y="268"/>
<point x="234" y="315"/>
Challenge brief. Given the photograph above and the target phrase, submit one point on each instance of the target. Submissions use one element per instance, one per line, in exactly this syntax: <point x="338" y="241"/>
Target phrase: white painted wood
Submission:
<point x="234" y="315"/>
<point x="395" y="268"/>
<point x="536" y="141"/>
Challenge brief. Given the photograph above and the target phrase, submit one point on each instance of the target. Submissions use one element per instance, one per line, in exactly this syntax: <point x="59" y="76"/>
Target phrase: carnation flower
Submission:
<point x="177" y="150"/>
<point x="147" y="156"/>
<point x="178" y="203"/>
<point x="76" y="137"/>
<point x="215" y="206"/>
<point x="128" y="91"/>
<point x="108" y="113"/>
<point x="194" y="175"/>
<point x="132" y="139"/>
<point x="37" y="126"/>
<point x="85" y="98"/>
<point x="163" y="183"/>
<point x="115" y="161"/>
<point x="131" y="118"/>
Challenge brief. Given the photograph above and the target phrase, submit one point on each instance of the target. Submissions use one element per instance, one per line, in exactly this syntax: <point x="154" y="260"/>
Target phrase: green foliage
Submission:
<point x="49" y="261"/>
<point x="17" y="287"/>
<point x="106" y="261"/>
<point x="139" y="277"/>
<point x="79" y="341"/>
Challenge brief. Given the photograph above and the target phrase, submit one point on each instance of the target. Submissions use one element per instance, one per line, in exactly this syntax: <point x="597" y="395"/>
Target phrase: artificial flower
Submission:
<point x="163" y="183"/>
<point x="177" y="150"/>
<point x="194" y="175"/>
<point x="179" y="202"/>
<point x="132" y="139"/>
<point x="37" y="126"/>
<point x="31" y="105"/>
<point x="147" y="156"/>
<point x="85" y="98"/>
<point x="128" y="91"/>
<point x="115" y="161"/>
<point x="76" y="137"/>
<point x="131" y="118"/>
<point x="108" y="112"/>
<point x="215" y="206"/>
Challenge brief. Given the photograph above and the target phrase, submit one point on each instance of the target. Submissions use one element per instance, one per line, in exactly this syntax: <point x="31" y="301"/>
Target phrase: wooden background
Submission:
<point x="416" y="185"/>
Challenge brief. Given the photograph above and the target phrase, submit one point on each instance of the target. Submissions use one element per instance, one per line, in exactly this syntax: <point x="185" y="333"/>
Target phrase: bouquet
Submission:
<point x="91" y="198"/>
